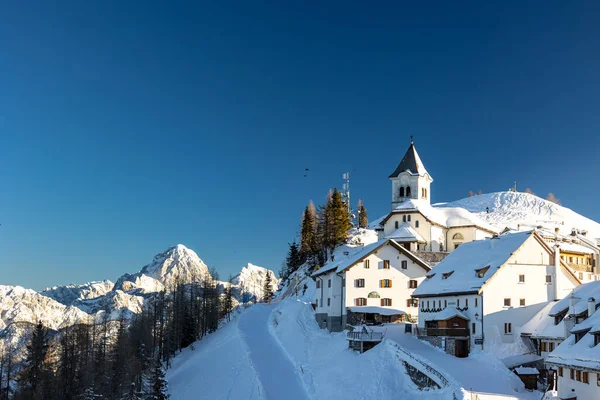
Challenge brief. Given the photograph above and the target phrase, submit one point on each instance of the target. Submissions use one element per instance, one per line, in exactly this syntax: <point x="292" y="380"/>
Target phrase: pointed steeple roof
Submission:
<point x="411" y="162"/>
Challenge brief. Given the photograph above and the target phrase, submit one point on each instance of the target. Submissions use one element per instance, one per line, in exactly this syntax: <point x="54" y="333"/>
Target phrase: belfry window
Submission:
<point x="408" y="191"/>
<point x="402" y="191"/>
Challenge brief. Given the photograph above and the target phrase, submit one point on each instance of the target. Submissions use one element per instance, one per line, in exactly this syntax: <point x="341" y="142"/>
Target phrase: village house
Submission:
<point x="419" y="226"/>
<point x="372" y="285"/>
<point x="577" y="358"/>
<point x="484" y="291"/>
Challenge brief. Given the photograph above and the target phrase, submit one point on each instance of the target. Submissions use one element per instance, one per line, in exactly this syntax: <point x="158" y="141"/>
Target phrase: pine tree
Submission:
<point x="340" y="218"/>
<point x="228" y="299"/>
<point x="267" y="289"/>
<point x="471" y="194"/>
<point x="159" y="384"/>
<point x="90" y="394"/>
<point x="36" y="372"/>
<point x="308" y="235"/>
<point x="294" y="259"/>
<point x="363" y="217"/>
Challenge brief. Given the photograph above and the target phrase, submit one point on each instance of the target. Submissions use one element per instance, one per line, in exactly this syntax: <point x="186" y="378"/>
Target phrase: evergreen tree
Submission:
<point x="90" y="394"/>
<point x="228" y="299"/>
<point x="340" y="218"/>
<point x="159" y="383"/>
<point x="471" y="194"/>
<point x="308" y="235"/>
<point x="267" y="289"/>
<point x="293" y="260"/>
<point x="363" y="217"/>
<point x="36" y="373"/>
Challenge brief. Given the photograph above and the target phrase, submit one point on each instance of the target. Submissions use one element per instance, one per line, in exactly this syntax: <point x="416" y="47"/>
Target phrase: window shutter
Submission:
<point x="356" y="283"/>
<point x="356" y="302"/>
<point x="382" y="302"/>
<point x="407" y="302"/>
<point x="390" y="283"/>
<point x="381" y="283"/>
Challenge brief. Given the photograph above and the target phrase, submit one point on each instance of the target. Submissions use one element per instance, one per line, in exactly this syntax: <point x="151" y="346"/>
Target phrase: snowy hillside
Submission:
<point x="510" y="209"/>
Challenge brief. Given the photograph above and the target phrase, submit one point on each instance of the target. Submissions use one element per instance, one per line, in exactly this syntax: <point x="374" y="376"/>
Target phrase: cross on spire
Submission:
<point x="411" y="139"/>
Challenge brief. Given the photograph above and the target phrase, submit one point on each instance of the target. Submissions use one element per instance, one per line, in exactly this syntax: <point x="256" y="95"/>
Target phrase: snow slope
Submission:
<point x="249" y="282"/>
<point x="69" y="294"/>
<point x="510" y="209"/>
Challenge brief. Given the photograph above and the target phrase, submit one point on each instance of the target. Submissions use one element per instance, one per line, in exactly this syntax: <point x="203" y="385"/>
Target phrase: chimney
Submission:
<point x="573" y="232"/>
<point x="583" y="233"/>
<point x="591" y="306"/>
<point x="572" y="301"/>
<point x="569" y="324"/>
<point x="556" y="229"/>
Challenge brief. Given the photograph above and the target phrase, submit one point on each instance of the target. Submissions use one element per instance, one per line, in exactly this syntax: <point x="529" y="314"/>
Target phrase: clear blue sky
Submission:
<point x="128" y="128"/>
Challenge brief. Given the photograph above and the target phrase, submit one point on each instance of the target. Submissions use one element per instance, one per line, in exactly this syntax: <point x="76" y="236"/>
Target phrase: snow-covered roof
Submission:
<point x="580" y="295"/>
<point x="450" y="217"/>
<point x="411" y="162"/>
<point x="575" y="248"/>
<point x="446" y="314"/>
<point x="521" y="359"/>
<point x="376" y="310"/>
<point x="457" y="272"/>
<point x="527" y="371"/>
<point x="406" y="233"/>
<point x="542" y="325"/>
<point x="583" y="354"/>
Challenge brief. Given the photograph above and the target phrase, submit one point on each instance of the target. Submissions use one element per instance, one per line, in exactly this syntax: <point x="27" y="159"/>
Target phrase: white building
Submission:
<point x="577" y="359"/>
<point x="418" y="225"/>
<point x="374" y="284"/>
<point x="484" y="291"/>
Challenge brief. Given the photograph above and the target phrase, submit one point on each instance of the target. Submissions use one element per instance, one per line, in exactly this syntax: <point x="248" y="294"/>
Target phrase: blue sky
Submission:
<point x="125" y="129"/>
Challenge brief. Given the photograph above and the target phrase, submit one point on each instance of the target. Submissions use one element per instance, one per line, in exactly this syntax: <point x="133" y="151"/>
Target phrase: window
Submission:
<point x="412" y="284"/>
<point x="328" y="302"/>
<point x="404" y="218"/>
<point x="456" y="245"/>
<point x="367" y="263"/>
<point x="386" y="302"/>
<point x="359" y="283"/>
<point x="361" y="301"/>
<point x="441" y="247"/>
<point x="543" y="347"/>
<point x="481" y="271"/>
<point x="329" y="283"/>
<point x="408" y="191"/>
<point x="598" y="379"/>
<point x="439" y="304"/>
<point x="580" y="275"/>
<point x="457" y="303"/>
<point x="548" y="279"/>
<point x="412" y="303"/>
<point x="386" y="264"/>
<point x="466" y="302"/>
<point x="445" y="275"/>
<point x="560" y="371"/>
<point x="318" y="284"/>
<point x="458" y="236"/>
<point x="507" y="328"/>
<point x="578" y="375"/>
<point x="586" y="377"/>
<point x="385" y="283"/>
<point x="550" y="346"/>
<point x="521" y="278"/>
<point x="402" y="191"/>
<point x="396" y="224"/>
<point x="405" y="265"/>
<point x="473" y="328"/>
<point x="408" y="218"/>
<point x="506" y="302"/>
<point x="430" y="276"/>
<point x="522" y="302"/>
<point x="427" y="303"/>
<point x="572" y="374"/>
<point x="317" y="302"/>
<point x="416" y="223"/>
<point x="571" y="259"/>
<point x="373" y="295"/>
<point x="445" y="303"/>
<point x="475" y="301"/>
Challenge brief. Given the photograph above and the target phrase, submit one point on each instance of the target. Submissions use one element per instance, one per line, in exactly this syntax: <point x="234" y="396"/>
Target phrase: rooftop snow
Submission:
<point x="527" y="371"/>
<point x="406" y="233"/>
<point x="376" y="310"/>
<point x="583" y="354"/>
<point x="542" y="325"/>
<point x="446" y="314"/>
<point x="469" y="257"/>
<point x="450" y="217"/>
<point x="581" y="295"/>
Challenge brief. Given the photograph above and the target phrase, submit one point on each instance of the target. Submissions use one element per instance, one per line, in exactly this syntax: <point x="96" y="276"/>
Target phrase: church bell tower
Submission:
<point x="410" y="180"/>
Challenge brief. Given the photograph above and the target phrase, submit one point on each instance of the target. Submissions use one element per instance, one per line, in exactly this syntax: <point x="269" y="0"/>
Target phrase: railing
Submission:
<point x="442" y="331"/>
<point x="365" y="336"/>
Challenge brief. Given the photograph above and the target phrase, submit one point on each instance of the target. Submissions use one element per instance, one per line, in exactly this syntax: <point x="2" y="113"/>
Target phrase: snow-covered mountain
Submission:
<point x="69" y="294"/>
<point x="514" y="209"/>
<point x="249" y="282"/>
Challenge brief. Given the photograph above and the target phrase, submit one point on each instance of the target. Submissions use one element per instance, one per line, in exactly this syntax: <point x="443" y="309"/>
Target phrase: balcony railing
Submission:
<point x="365" y="336"/>
<point x="443" y="332"/>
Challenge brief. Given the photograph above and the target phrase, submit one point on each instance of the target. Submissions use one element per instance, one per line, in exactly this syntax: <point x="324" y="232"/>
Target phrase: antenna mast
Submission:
<point x="346" y="191"/>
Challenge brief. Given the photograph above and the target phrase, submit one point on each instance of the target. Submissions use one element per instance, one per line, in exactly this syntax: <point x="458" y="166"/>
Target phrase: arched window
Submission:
<point x="373" y="295"/>
<point x="402" y="191"/>
<point x="408" y="218"/>
<point x="416" y="223"/>
<point x="404" y="218"/>
<point x="396" y="224"/>
<point x="425" y="193"/>
<point x="458" y="236"/>
<point x="408" y="191"/>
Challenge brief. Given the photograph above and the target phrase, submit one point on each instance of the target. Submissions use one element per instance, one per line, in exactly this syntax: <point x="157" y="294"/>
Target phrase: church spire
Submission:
<point x="411" y="162"/>
<point x="410" y="180"/>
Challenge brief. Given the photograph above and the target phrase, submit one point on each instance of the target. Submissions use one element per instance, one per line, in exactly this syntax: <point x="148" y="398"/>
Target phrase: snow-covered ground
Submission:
<point x="278" y="351"/>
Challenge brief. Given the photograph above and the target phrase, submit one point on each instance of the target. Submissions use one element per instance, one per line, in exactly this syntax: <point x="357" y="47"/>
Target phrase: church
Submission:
<point x="432" y="231"/>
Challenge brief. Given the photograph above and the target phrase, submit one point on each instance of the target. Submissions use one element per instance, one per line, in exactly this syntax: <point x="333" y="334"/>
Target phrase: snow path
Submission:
<point x="275" y="370"/>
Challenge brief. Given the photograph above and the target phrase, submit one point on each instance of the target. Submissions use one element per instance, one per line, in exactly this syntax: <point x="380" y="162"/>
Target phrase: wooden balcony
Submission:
<point x="456" y="332"/>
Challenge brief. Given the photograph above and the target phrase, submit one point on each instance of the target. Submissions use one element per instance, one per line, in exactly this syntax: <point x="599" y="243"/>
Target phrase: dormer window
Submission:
<point x="481" y="271"/>
<point x="430" y="276"/>
<point x="445" y="275"/>
<point x="597" y="340"/>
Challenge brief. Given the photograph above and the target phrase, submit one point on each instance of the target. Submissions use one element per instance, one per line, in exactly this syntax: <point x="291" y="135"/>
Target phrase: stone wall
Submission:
<point x="437" y="342"/>
<point x="420" y="379"/>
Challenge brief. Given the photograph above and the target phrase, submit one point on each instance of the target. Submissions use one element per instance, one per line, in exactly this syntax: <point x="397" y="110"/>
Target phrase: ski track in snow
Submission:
<point x="276" y="372"/>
